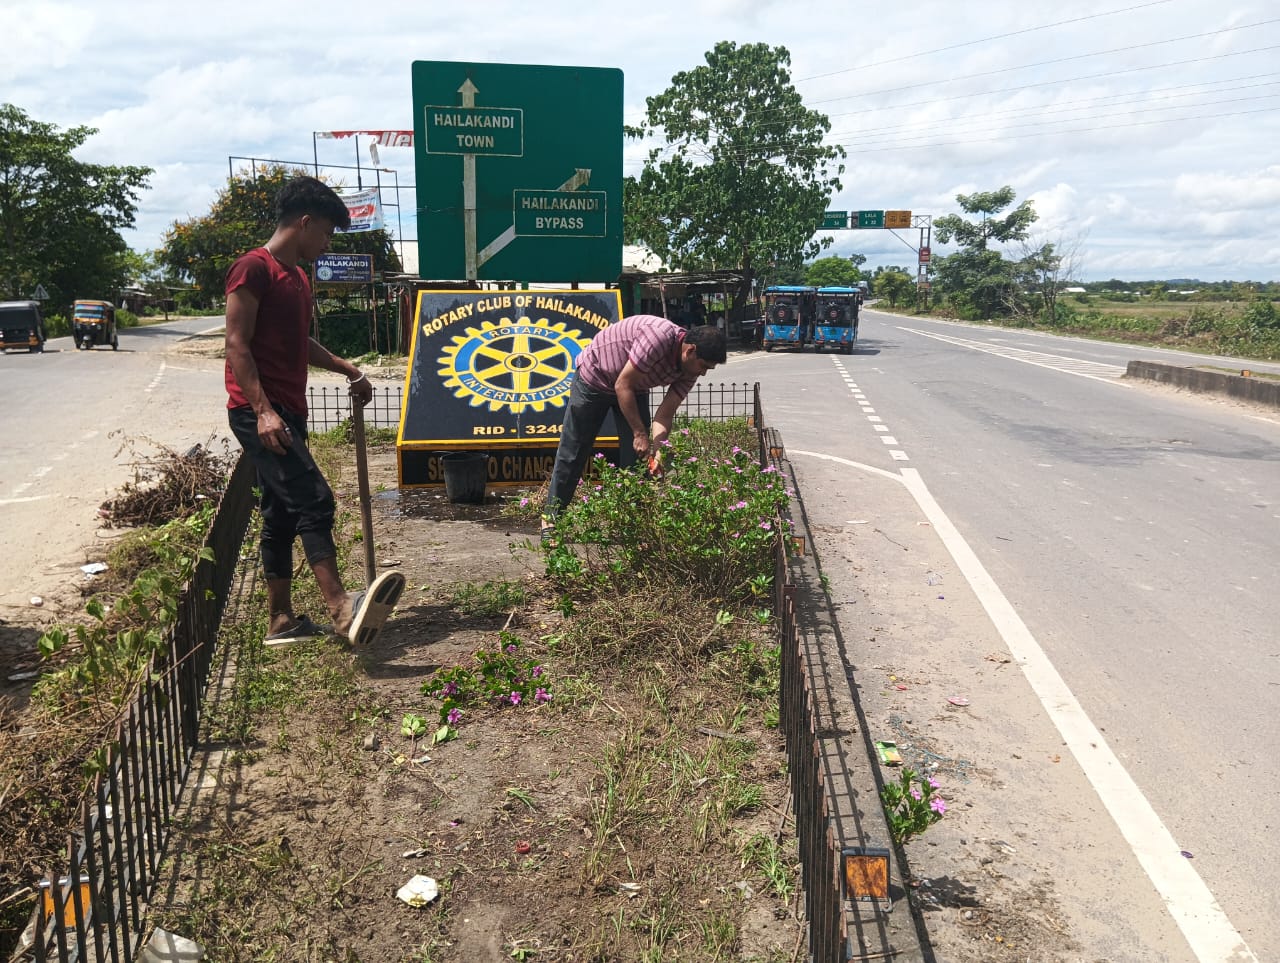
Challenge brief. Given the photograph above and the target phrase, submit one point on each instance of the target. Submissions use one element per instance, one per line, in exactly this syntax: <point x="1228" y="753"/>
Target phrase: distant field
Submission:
<point x="1153" y="309"/>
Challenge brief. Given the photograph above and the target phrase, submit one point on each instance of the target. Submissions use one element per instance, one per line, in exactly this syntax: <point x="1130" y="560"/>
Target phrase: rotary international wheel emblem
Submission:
<point x="513" y="364"/>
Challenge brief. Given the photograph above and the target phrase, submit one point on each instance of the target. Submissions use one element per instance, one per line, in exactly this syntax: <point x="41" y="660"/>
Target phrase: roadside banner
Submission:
<point x="386" y="138"/>
<point x="365" y="209"/>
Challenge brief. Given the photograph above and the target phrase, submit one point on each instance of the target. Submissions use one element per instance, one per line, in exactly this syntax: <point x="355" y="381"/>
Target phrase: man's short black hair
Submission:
<point x="710" y="342"/>
<point x="307" y="195"/>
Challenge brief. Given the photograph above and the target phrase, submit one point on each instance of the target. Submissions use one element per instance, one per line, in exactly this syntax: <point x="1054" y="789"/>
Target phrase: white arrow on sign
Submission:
<point x="581" y="178"/>
<point x="469" y="91"/>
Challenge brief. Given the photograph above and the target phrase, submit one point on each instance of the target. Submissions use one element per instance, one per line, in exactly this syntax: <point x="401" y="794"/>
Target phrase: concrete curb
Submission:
<point x="1260" y="391"/>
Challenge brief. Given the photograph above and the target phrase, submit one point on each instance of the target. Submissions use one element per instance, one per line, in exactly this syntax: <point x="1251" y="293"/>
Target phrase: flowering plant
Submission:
<point x="912" y="805"/>
<point x="502" y="678"/>
<point x="711" y="521"/>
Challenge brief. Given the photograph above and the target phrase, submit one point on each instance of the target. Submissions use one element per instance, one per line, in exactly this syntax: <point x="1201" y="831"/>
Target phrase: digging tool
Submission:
<point x="366" y="501"/>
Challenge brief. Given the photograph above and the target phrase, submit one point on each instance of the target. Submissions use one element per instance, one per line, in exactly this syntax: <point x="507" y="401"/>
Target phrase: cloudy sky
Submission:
<point x="1147" y="132"/>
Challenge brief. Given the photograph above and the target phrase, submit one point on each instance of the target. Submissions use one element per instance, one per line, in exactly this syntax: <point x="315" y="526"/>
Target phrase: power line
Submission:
<point x="1057" y="60"/>
<point x="972" y="43"/>
<point x="672" y="148"/>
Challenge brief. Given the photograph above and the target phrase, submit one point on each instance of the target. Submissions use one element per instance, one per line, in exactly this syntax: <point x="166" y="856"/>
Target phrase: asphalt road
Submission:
<point x="1120" y="541"/>
<point x="70" y="416"/>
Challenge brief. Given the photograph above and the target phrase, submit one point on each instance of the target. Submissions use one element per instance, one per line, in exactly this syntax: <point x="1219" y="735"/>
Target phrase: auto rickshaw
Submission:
<point x="21" y="326"/>
<point x="787" y="316"/>
<point x="94" y="322"/>
<point x="837" y="319"/>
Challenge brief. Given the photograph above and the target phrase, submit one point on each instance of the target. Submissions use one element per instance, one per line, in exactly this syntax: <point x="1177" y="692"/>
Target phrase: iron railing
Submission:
<point x="328" y="407"/>
<point x="95" y="910"/>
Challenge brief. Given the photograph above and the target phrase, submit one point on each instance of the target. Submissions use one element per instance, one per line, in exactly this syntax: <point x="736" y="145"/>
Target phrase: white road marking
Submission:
<point x="880" y="427"/>
<point x="874" y="418"/>
<point x="897" y="455"/>
<point x="1094" y="370"/>
<point x="889" y="439"/>
<point x="16" y="501"/>
<point x="155" y="382"/>
<point x="1203" y="922"/>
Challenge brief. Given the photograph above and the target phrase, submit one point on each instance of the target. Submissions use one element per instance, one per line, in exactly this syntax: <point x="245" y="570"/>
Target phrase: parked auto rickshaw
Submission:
<point x="21" y="326"/>
<point x="787" y="315"/>
<point x="94" y="322"/>
<point x="837" y="319"/>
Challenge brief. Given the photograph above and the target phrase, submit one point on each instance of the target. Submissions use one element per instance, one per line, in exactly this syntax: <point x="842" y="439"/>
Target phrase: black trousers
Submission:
<point x="297" y="502"/>
<point x="583" y="417"/>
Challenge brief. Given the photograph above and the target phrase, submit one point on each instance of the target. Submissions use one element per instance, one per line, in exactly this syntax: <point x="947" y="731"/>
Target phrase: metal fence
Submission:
<point x="329" y="407"/>
<point x="95" y="910"/>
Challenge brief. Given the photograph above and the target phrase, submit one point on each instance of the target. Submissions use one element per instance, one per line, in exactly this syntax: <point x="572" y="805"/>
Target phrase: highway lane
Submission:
<point x="68" y="414"/>
<point x="1134" y="530"/>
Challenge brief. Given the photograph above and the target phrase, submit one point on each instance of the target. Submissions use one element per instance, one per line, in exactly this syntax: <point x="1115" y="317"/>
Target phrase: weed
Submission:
<point x="500" y="678"/>
<point x="912" y="805"/>
<point x="488" y="599"/>
<point x="761" y="852"/>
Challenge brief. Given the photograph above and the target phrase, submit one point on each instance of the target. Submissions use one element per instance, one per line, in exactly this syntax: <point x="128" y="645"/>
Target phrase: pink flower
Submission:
<point x="524" y="502"/>
<point x="934" y="784"/>
<point x="454" y="716"/>
<point x="542" y="695"/>
<point x="740" y="505"/>
<point x="514" y="698"/>
<point x="916" y="794"/>
<point x="766" y="526"/>
<point x="938" y="805"/>
<point x="537" y="671"/>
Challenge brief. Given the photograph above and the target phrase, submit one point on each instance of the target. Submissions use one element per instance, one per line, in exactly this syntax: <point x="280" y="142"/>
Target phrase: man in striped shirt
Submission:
<point x="615" y="372"/>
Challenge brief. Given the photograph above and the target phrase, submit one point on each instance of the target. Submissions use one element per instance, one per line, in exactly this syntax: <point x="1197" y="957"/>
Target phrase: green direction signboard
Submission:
<point x="519" y="171"/>
<point x="835" y="220"/>
<point x="871" y="219"/>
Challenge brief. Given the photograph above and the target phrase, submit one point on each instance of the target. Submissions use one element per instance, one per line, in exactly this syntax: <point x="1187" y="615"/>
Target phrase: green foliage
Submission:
<point x="60" y="218"/>
<point x="709" y="524"/>
<point x="744" y="177"/>
<point x="978" y="279"/>
<point x="488" y="599"/>
<point x="117" y="644"/>
<point x="832" y="272"/>
<point x="501" y="677"/>
<point x="894" y="286"/>
<point x="201" y="249"/>
<point x="912" y="805"/>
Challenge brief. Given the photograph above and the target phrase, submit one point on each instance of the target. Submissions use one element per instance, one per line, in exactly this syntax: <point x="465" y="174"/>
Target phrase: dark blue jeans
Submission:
<point x="583" y="417"/>
<point x="297" y="502"/>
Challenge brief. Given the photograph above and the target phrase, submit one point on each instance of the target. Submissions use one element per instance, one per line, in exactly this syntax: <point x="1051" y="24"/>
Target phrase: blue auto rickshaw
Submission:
<point x="836" y="319"/>
<point x="786" y="316"/>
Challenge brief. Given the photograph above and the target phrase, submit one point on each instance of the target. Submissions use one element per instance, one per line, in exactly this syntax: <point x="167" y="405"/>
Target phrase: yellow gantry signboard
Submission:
<point x="897" y="218"/>
<point x="490" y="371"/>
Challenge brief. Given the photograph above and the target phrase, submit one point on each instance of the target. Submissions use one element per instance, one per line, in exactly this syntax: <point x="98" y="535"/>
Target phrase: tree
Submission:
<point x="1042" y="270"/>
<point x="857" y="260"/>
<point x="242" y="217"/>
<point x="894" y="286"/>
<point x="744" y="177"/>
<point x="60" y="218"/>
<point x="832" y="272"/>
<point x="979" y="280"/>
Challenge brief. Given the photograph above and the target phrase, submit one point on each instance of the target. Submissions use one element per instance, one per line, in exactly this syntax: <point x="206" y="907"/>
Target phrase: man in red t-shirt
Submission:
<point x="269" y="348"/>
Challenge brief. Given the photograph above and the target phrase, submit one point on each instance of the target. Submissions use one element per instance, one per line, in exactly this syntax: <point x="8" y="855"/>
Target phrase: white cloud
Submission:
<point x="1164" y="177"/>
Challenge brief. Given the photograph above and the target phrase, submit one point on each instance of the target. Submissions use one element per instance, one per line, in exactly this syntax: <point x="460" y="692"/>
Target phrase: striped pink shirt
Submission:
<point x="650" y="343"/>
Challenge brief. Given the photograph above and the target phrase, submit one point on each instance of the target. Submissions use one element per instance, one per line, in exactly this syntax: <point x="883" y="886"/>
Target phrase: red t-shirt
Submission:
<point x="281" y="335"/>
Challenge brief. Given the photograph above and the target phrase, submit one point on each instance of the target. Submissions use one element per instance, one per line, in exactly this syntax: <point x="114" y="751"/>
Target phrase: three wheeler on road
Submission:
<point x="21" y="326"/>
<point x="836" y="322"/>
<point x="786" y="317"/>
<point x="94" y="322"/>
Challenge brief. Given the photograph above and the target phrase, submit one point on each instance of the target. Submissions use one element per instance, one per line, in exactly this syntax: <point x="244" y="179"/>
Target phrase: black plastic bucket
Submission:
<point x="465" y="475"/>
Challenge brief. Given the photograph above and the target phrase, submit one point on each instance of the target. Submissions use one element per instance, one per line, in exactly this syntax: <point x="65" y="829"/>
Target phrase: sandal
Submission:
<point x="304" y="630"/>
<point x="371" y="608"/>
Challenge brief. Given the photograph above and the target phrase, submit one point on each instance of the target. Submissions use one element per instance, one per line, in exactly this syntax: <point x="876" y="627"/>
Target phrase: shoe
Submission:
<point x="548" y="533"/>
<point x="371" y="608"/>
<point x="304" y="630"/>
